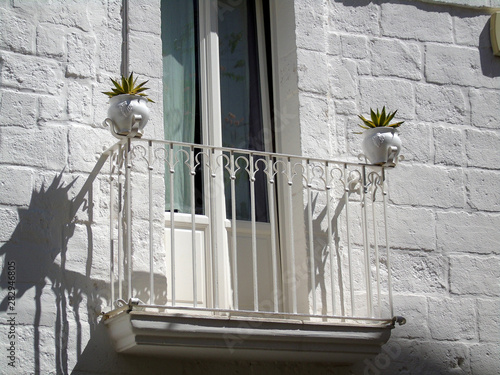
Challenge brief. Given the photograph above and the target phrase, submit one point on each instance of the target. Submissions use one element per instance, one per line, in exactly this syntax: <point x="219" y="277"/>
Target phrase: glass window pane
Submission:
<point x="239" y="71"/>
<point x="241" y="107"/>
<point x="180" y="94"/>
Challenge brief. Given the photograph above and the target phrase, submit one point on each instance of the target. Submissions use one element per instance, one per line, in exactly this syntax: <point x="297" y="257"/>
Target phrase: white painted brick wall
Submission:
<point x="432" y="62"/>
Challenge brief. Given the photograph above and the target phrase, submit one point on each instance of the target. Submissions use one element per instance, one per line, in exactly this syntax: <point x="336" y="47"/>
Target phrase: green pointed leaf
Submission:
<point x="396" y="124"/>
<point x="382" y="117"/>
<point x="368" y="123"/>
<point x="141" y="90"/>
<point x="125" y="85"/>
<point x="389" y="118"/>
<point x="130" y="81"/>
<point x="117" y="85"/>
<point x="374" y="116"/>
<point x="141" y="84"/>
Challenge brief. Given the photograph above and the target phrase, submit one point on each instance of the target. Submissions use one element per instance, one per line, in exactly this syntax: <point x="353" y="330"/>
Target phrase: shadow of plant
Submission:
<point x="40" y="237"/>
<point x="39" y="246"/>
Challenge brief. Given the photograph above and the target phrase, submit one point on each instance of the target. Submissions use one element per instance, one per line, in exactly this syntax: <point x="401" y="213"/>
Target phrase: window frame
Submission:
<point x="284" y="114"/>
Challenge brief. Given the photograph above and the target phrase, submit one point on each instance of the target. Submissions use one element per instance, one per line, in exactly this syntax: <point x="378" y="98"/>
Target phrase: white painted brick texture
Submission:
<point x="432" y="62"/>
<point x="53" y="59"/>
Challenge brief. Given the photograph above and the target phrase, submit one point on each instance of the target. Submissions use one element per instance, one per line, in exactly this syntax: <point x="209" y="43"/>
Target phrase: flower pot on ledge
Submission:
<point x="381" y="145"/>
<point x="128" y="115"/>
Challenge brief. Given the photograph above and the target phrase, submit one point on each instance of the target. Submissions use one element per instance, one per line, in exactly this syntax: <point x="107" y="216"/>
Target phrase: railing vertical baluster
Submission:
<point x="111" y="231"/>
<point x="366" y="245"/>
<point x="128" y="216"/>
<point x="254" y="235"/>
<point x="272" y="221"/>
<point x="151" y="237"/>
<point x="387" y="247"/>
<point x="331" y="246"/>
<point x="119" y="218"/>
<point x="193" y="225"/>
<point x="292" y="240"/>
<point x="348" y="234"/>
<point x="233" y="231"/>
<point x="215" y="265"/>
<point x="312" y="263"/>
<point x="375" y="240"/>
<point x="171" y="165"/>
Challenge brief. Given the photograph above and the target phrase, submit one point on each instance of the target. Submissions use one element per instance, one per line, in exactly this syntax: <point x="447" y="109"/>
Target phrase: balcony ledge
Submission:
<point x="156" y="333"/>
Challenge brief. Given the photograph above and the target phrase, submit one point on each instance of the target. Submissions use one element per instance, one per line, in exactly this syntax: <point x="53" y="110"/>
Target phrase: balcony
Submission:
<point x="227" y="253"/>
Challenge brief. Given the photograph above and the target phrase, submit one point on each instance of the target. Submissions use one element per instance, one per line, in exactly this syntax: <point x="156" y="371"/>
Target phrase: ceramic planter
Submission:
<point x="128" y="114"/>
<point x="381" y="145"/>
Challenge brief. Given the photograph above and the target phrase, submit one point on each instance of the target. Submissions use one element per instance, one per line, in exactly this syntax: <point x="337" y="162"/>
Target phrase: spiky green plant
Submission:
<point x="128" y="86"/>
<point x="379" y="119"/>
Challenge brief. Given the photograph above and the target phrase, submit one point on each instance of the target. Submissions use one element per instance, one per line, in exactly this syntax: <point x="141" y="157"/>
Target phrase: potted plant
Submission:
<point x="381" y="143"/>
<point x="128" y="112"/>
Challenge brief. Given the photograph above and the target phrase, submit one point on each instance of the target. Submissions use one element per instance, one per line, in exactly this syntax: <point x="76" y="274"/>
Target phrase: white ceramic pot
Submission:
<point x="381" y="145"/>
<point x="129" y="114"/>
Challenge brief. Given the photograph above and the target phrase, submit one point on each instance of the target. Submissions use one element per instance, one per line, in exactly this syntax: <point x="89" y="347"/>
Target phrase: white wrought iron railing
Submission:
<point x="255" y="234"/>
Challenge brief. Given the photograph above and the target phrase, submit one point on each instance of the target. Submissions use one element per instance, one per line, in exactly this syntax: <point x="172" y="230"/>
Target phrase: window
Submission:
<point x="217" y="91"/>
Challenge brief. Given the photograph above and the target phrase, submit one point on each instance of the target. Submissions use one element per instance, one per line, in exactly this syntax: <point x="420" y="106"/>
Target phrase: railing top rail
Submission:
<point x="246" y="151"/>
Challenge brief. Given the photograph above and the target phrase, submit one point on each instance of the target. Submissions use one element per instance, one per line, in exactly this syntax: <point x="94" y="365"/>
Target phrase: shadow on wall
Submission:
<point x="41" y="236"/>
<point x="38" y="247"/>
<point x="322" y="256"/>
<point x="398" y="357"/>
<point x="410" y="357"/>
<point x="490" y="64"/>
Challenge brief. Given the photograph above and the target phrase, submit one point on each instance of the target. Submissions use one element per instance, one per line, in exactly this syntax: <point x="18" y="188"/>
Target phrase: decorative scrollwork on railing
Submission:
<point x="184" y="160"/>
<point x="117" y="160"/>
<point x="279" y="168"/>
<point x="317" y="173"/>
<point x="354" y="182"/>
<point x="198" y="160"/>
<point x="331" y="177"/>
<point x="373" y="182"/>
<point x="269" y="170"/>
<point x="296" y="169"/>
<point x="244" y="167"/>
<point x="175" y="158"/>
<point x="138" y="152"/>
<point x="160" y="155"/>
<point x="222" y="161"/>
<point x="256" y="168"/>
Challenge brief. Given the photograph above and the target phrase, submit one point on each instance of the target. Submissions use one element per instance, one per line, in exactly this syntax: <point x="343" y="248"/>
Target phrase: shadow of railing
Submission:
<point x="41" y="237"/>
<point x="38" y="249"/>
